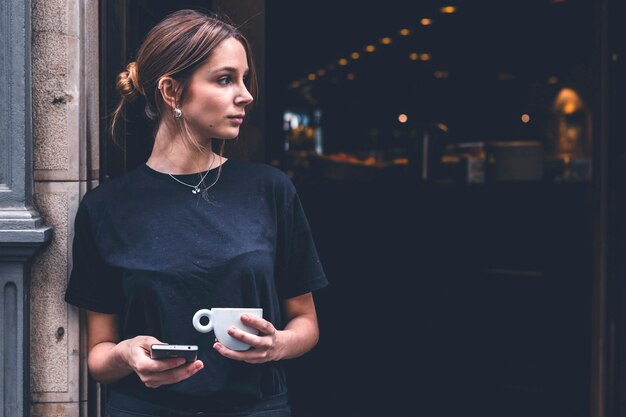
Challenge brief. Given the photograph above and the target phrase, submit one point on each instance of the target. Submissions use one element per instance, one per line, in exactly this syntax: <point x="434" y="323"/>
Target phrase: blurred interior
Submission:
<point x="446" y="175"/>
<point x="444" y="153"/>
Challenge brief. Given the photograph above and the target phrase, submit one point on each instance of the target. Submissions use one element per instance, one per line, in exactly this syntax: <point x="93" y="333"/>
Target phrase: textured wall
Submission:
<point x="65" y="155"/>
<point x="55" y="329"/>
<point x="51" y="88"/>
<point x="49" y="359"/>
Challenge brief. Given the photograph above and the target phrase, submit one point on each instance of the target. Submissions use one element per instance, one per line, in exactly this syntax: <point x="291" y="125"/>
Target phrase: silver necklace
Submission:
<point x="195" y="188"/>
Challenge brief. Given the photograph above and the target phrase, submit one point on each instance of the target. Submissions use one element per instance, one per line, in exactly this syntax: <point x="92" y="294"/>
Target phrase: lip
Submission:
<point x="236" y="119"/>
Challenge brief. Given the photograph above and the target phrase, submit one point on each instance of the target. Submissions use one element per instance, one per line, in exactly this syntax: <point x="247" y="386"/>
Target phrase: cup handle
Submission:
<point x="196" y="320"/>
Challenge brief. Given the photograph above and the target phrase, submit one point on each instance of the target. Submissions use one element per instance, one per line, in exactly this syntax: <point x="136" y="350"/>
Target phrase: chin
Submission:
<point x="227" y="135"/>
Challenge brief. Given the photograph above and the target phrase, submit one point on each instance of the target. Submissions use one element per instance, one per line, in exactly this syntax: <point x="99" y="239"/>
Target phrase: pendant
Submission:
<point x="195" y="190"/>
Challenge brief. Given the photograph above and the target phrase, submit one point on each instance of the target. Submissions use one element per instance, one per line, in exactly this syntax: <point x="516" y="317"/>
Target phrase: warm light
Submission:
<point x="553" y="80"/>
<point x="448" y="9"/>
<point x="350" y="76"/>
<point x="343" y="62"/>
<point x="355" y="55"/>
<point x="568" y="101"/>
<point x="569" y="108"/>
<point x="425" y="57"/>
<point x="321" y="72"/>
<point x="405" y="32"/>
<point x="525" y="118"/>
<point x="443" y="127"/>
<point x="311" y="77"/>
<point x="403" y="118"/>
<point x="385" y="41"/>
<point x="426" y="21"/>
<point x="413" y="56"/>
<point x="370" y="48"/>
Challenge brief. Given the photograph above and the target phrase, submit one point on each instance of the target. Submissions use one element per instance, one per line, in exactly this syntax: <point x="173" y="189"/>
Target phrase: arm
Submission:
<point x="110" y="359"/>
<point x="300" y="335"/>
<point x="104" y="358"/>
<point x="301" y="326"/>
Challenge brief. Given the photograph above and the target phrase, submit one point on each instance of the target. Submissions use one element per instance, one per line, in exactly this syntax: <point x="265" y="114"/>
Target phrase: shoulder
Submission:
<point x="264" y="175"/>
<point x="266" y="171"/>
<point x="109" y="191"/>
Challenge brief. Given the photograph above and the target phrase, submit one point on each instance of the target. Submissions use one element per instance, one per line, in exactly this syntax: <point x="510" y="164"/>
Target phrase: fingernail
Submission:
<point x="245" y="316"/>
<point x="199" y="365"/>
<point x="217" y="346"/>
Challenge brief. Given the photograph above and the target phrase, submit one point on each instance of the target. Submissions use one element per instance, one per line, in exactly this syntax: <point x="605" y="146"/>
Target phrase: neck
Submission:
<point x="172" y="155"/>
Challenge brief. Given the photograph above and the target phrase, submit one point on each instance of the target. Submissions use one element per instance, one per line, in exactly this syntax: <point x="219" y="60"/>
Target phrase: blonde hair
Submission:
<point x="176" y="47"/>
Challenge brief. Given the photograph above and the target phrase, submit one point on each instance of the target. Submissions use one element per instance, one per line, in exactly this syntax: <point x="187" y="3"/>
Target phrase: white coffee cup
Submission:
<point x="222" y="319"/>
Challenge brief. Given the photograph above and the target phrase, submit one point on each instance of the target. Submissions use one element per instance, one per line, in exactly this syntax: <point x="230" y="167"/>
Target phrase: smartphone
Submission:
<point x="161" y="351"/>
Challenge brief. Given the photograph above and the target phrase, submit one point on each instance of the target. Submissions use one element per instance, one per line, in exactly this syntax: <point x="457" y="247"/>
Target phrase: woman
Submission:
<point x="191" y="229"/>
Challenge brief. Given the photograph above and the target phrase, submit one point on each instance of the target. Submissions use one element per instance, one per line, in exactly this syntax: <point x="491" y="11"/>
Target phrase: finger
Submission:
<point x="249" y="338"/>
<point x="147" y="341"/>
<point x="259" y="323"/>
<point x="251" y="356"/>
<point x="175" y="375"/>
<point x="165" y="364"/>
<point x="231" y="354"/>
<point x="159" y="365"/>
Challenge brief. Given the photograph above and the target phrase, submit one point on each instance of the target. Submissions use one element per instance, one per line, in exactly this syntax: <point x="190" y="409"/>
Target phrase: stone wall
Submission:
<point x="65" y="159"/>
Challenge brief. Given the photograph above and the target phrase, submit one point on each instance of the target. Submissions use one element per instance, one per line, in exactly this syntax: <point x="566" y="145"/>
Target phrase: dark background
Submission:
<point x="444" y="299"/>
<point x="528" y="40"/>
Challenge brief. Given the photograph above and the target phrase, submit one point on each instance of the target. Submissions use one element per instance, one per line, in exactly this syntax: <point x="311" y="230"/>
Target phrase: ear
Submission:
<point x="169" y="91"/>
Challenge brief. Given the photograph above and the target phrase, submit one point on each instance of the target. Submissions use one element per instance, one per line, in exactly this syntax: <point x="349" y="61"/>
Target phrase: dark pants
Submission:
<point x="122" y="406"/>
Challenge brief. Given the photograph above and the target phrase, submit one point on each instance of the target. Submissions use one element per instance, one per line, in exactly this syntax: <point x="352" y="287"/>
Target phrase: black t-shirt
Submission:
<point x="148" y="249"/>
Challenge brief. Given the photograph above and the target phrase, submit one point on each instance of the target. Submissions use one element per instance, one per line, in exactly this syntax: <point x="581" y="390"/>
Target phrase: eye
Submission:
<point x="224" y="80"/>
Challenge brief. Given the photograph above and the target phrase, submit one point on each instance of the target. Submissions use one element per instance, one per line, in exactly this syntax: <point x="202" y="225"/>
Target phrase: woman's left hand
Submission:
<point x="267" y="346"/>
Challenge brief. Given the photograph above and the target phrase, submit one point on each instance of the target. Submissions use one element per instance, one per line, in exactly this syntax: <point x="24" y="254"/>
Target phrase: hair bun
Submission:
<point x="128" y="82"/>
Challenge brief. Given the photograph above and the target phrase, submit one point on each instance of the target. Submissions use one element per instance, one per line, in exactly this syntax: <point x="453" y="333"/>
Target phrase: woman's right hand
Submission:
<point x="155" y="372"/>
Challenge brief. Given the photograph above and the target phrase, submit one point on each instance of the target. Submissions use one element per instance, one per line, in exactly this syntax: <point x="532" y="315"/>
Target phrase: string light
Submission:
<point x="413" y="56"/>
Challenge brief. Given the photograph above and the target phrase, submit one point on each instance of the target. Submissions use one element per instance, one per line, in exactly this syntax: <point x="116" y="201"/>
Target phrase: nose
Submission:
<point x="245" y="97"/>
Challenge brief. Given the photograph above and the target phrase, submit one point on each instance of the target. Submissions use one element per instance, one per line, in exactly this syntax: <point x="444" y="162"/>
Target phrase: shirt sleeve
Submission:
<point x="93" y="285"/>
<point x="299" y="269"/>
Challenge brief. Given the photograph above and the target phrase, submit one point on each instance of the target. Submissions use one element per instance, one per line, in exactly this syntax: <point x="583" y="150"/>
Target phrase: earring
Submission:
<point x="178" y="113"/>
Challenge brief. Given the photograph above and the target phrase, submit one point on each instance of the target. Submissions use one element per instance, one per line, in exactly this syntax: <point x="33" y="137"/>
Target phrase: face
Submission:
<point x="217" y="96"/>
